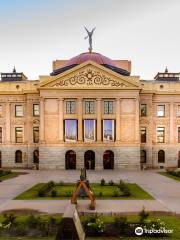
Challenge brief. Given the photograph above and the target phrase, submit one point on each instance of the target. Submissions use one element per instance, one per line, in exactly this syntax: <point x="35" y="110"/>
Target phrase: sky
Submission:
<point x="34" y="33"/>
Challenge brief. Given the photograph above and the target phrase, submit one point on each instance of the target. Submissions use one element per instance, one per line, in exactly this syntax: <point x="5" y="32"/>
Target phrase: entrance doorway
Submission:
<point x="70" y="160"/>
<point x="108" y="160"/>
<point x="36" y="158"/>
<point x="179" y="159"/>
<point x="89" y="159"/>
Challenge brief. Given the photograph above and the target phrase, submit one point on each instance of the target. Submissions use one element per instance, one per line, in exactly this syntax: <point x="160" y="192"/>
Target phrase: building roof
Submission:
<point x="92" y="56"/>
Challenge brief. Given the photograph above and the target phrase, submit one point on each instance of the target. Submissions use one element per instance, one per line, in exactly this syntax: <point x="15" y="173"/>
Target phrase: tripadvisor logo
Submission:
<point x="139" y="231"/>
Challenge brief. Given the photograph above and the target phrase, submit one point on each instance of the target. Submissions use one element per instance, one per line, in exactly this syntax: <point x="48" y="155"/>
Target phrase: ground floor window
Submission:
<point x="161" y="156"/>
<point x="108" y="160"/>
<point x="18" y="156"/>
<point x="143" y="156"/>
<point x="89" y="159"/>
<point x="70" y="160"/>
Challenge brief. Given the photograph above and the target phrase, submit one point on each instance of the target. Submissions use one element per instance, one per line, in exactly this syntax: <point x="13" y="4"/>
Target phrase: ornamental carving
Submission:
<point x="36" y="121"/>
<point x="89" y="77"/>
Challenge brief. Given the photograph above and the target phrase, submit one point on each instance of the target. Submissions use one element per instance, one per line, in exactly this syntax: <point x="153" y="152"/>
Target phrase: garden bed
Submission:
<point x="62" y="190"/>
<point x="171" y="174"/>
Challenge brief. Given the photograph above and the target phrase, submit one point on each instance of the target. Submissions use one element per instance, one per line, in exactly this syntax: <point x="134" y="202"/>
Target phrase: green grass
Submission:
<point x="10" y="175"/>
<point x="107" y="191"/>
<point x="169" y="176"/>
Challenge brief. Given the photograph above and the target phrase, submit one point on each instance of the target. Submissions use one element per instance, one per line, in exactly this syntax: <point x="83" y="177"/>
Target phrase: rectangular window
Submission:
<point x="19" y="111"/>
<point x="108" y="130"/>
<point x="35" y="134"/>
<point x="161" y="110"/>
<point x="160" y="134"/>
<point x="143" y="134"/>
<point x="108" y="107"/>
<point x="36" y="110"/>
<point x="178" y="110"/>
<point x="1" y="111"/>
<point x="89" y="107"/>
<point x="89" y="130"/>
<point x="0" y="134"/>
<point x="143" y="110"/>
<point x="178" y="134"/>
<point x="70" y="130"/>
<point x="18" y="134"/>
<point x="70" y="107"/>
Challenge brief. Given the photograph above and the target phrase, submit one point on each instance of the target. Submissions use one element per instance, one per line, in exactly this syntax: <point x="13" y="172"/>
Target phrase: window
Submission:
<point x="178" y="134"/>
<point x="160" y="134"/>
<point x="70" y="107"/>
<point x="143" y="110"/>
<point x="0" y="134"/>
<point x="161" y="156"/>
<point x="35" y="134"/>
<point x="178" y="110"/>
<point x="89" y="107"/>
<point x="18" y="134"/>
<point x="161" y="110"/>
<point x="1" y="111"/>
<point x="89" y="130"/>
<point x="19" y="111"/>
<point x="36" y="110"/>
<point x="71" y="130"/>
<point x="108" y="130"/>
<point x="143" y="134"/>
<point x="18" y="156"/>
<point x="108" y="107"/>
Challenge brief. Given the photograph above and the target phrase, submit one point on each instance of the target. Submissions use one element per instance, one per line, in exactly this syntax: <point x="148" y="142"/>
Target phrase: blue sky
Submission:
<point x="33" y="33"/>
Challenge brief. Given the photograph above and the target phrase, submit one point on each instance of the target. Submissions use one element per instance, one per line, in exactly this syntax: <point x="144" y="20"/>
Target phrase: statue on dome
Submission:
<point x="90" y="37"/>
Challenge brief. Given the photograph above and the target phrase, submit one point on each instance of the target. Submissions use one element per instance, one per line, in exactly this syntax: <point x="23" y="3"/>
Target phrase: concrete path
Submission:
<point x="166" y="191"/>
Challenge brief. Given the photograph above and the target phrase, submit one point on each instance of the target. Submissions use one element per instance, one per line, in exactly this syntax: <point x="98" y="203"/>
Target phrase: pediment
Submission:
<point x="87" y="76"/>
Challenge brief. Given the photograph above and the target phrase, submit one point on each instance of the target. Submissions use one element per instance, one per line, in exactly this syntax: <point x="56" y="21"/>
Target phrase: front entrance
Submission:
<point x="70" y="160"/>
<point x="108" y="160"/>
<point x="36" y="158"/>
<point x="89" y="159"/>
<point x="179" y="159"/>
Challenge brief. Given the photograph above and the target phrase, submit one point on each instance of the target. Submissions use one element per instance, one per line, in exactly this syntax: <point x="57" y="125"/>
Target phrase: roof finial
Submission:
<point x="90" y="38"/>
<point x="14" y="70"/>
<point x="166" y="70"/>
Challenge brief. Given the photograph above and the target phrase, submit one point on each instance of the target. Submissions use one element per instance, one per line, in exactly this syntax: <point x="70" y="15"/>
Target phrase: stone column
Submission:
<point x="61" y="122"/>
<point x="118" y="133"/>
<point x="99" y="120"/>
<point x="8" y="122"/>
<point x="171" y="122"/>
<point x="137" y="134"/>
<point x="42" y="119"/>
<point x="80" y="112"/>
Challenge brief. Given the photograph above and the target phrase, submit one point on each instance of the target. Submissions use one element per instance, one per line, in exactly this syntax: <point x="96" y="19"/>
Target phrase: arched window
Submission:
<point x="18" y="156"/>
<point x="70" y="160"/>
<point x="0" y="160"/>
<point x="108" y="159"/>
<point x="161" y="156"/>
<point x="143" y="156"/>
<point x="89" y="159"/>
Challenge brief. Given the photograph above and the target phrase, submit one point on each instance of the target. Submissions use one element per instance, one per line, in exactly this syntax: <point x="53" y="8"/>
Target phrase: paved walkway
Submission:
<point x="166" y="191"/>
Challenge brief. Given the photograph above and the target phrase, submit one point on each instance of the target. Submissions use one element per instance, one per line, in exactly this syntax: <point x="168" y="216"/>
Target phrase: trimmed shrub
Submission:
<point x="124" y="188"/>
<point x="100" y="194"/>
<point x="121" y="224"/>
<point x="42" y="192"/>
<point x="115" y="193"/>
<point x="111" y="183"/>
<point x="54" y="193"/>
<point x="103" y="182"/>
<point x="143" y="215"/>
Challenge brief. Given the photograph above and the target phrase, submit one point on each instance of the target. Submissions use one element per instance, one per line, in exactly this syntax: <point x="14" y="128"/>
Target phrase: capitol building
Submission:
<point x="90" y="111"/>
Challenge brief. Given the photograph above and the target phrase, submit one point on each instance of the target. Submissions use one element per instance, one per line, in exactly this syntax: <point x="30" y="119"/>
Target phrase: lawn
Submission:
<point x="10" y="175"/>
<point x="101" y="192"/>
<point x="169" y="176"/>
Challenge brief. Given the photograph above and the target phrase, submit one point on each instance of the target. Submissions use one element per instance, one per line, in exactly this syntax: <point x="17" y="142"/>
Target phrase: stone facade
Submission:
<point x="89" y="80"/>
